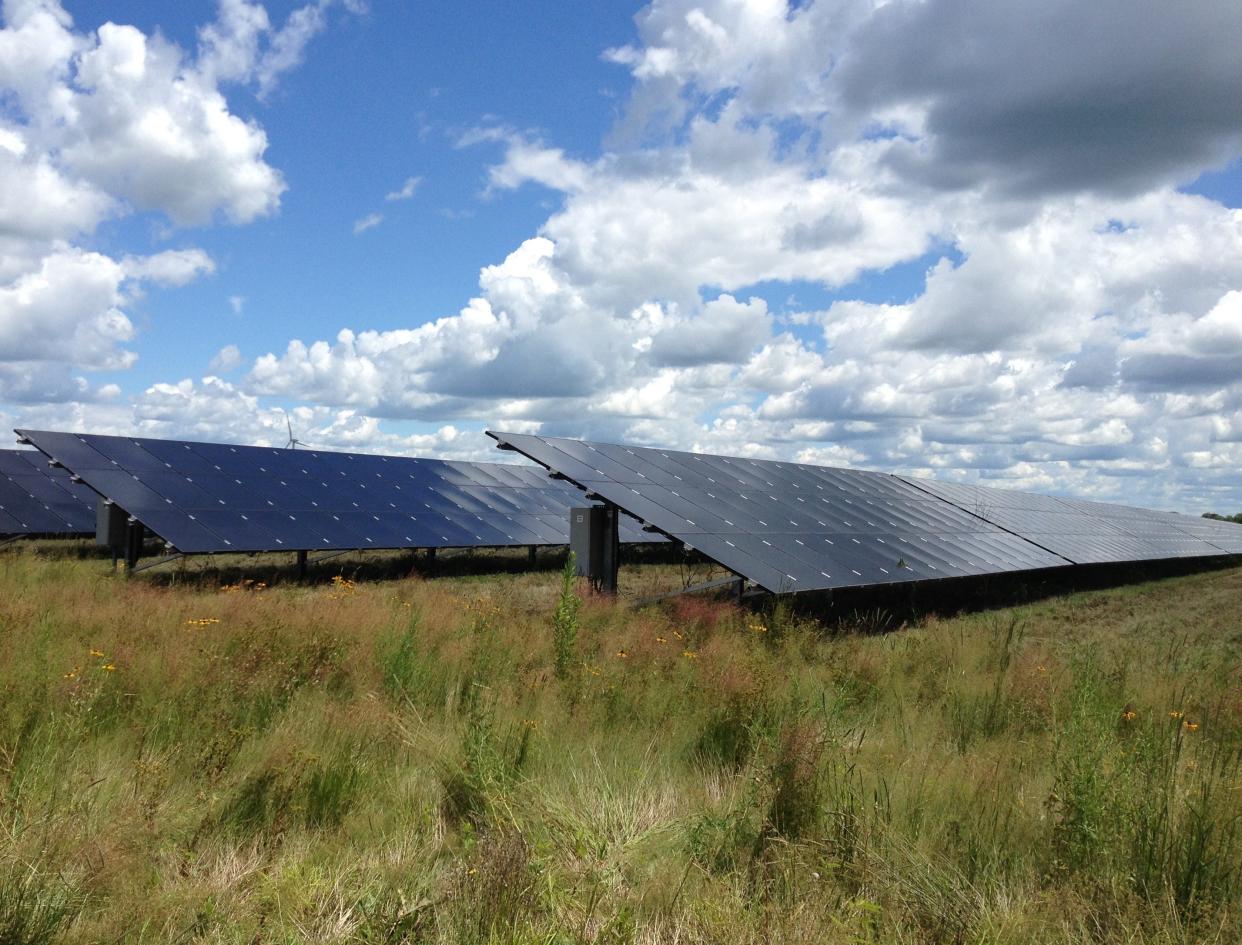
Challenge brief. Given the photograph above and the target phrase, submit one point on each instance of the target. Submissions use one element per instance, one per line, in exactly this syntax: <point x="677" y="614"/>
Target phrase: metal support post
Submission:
<point x="301" y="565"/>
<point x="531" y="555"/>
<point x="134" y="533"/>
<point x="612" y="550"/>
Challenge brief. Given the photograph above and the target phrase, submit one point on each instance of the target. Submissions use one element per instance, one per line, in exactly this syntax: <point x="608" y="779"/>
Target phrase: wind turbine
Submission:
<point x="294" y="442"/>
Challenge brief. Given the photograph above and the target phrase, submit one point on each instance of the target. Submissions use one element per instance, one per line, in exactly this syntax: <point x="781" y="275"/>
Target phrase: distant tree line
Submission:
<point x="1224" y="518"/>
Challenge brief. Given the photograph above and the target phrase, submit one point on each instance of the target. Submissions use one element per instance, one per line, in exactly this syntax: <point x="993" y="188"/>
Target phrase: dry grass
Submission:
<point x="396" y="761"/>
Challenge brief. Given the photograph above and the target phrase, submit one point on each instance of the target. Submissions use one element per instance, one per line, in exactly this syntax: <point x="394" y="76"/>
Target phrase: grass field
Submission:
<point x="482" y="759"/>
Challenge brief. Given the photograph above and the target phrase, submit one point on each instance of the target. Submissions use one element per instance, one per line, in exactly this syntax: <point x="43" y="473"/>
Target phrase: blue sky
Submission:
<point x="397" y="87"/>
<point x="824" y="231"/>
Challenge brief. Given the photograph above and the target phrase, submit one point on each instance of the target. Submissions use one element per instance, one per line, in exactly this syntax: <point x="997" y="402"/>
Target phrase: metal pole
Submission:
<point x="530" y="555"/>
<point x="301" y="565"/>
<point x="133" y="545"/>
<point x="159" y="561"/>
<point x="612" y="550"/>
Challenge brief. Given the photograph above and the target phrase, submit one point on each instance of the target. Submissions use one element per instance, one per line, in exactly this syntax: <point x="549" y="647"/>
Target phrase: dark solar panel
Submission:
<point x="792" y="527"/>
<point x="1091" y="532"/>
<point x="215" y="497"/>
<point x="788" y="526"/>
<point x="38" y="499"/>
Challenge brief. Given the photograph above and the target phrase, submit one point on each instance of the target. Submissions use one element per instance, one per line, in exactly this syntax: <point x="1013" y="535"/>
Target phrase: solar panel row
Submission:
<point x="1092" y="532"/>
<point x="785" y="526"/>
<point x="36" y="499"/>
<point x="795" y="527"/>
<point x="212" y="497"/>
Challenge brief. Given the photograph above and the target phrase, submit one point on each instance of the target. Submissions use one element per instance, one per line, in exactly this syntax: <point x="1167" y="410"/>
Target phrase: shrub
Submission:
<point x="489" y="762"/>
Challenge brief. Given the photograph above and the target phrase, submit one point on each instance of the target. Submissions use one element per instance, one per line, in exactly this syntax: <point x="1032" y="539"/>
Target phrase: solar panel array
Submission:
<point x="794" y="527"/>
<point x="1092" y="532"/>
<point x="36" y="499"/>
<point x="213" y="497"/>
<point x="786" y="526"/>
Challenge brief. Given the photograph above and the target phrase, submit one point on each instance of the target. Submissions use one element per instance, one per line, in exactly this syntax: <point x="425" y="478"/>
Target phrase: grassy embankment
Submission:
<point x="401" y="761"/>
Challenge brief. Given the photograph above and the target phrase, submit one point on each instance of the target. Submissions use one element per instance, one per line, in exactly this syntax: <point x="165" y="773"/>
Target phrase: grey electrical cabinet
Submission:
<point x="111" y="522"/>
<point x="588" y="536"/>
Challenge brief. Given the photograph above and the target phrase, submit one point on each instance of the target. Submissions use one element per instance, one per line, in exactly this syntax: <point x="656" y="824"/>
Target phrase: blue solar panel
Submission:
<point x="216" y="497"/>
<point x="789" y="526"/>
<point x="794" y="527"/>
<point x="38" y="499"/>
<point x="1091" y="532"/>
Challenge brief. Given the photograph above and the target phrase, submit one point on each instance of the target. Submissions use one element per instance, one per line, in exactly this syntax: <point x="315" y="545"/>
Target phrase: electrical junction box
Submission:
<point x="588" y="539"/>
<point x="111" y="524"/>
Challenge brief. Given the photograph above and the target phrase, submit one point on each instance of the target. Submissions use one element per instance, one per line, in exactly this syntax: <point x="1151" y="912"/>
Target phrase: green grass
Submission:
<point x="484" y="760"/>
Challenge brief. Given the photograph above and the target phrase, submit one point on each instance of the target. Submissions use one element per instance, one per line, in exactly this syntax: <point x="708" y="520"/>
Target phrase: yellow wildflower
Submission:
<point x="661" y="639"/>
<point x="96" y="653"/>
<point x="1191" y="726"/>
<point x="1175" y="714"/>
<point x="1129" y="715"/>
<point x="342" y="587"/>
<point x="690" y="654"/>
<point x="110" y="667"/>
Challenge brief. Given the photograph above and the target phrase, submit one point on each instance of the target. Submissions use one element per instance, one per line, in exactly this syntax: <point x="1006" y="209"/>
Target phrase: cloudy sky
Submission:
<point x="991" y="240"/>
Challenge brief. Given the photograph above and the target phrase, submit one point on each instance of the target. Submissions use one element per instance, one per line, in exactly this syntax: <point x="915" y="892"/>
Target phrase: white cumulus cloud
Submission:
<point x="1069" y="322"/>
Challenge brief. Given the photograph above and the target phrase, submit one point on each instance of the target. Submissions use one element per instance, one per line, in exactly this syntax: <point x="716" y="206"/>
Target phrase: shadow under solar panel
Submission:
<point x="203" y="498"/>
<point x="793" y="527"/>
<point x="38" y="499"/>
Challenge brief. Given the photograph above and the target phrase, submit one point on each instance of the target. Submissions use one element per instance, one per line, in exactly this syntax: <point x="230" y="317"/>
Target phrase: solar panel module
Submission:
<point x="1092" y="532"/>
<point x="792" y="527"/>
<point x="205" y="498"/>
<point x="37" y="499"/>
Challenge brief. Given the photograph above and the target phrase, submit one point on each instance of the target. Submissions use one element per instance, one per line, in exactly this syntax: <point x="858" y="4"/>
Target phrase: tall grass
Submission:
<point x="398" y="761"/>
<point x="35" y="908"/>
<point x="565" y="621"/>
